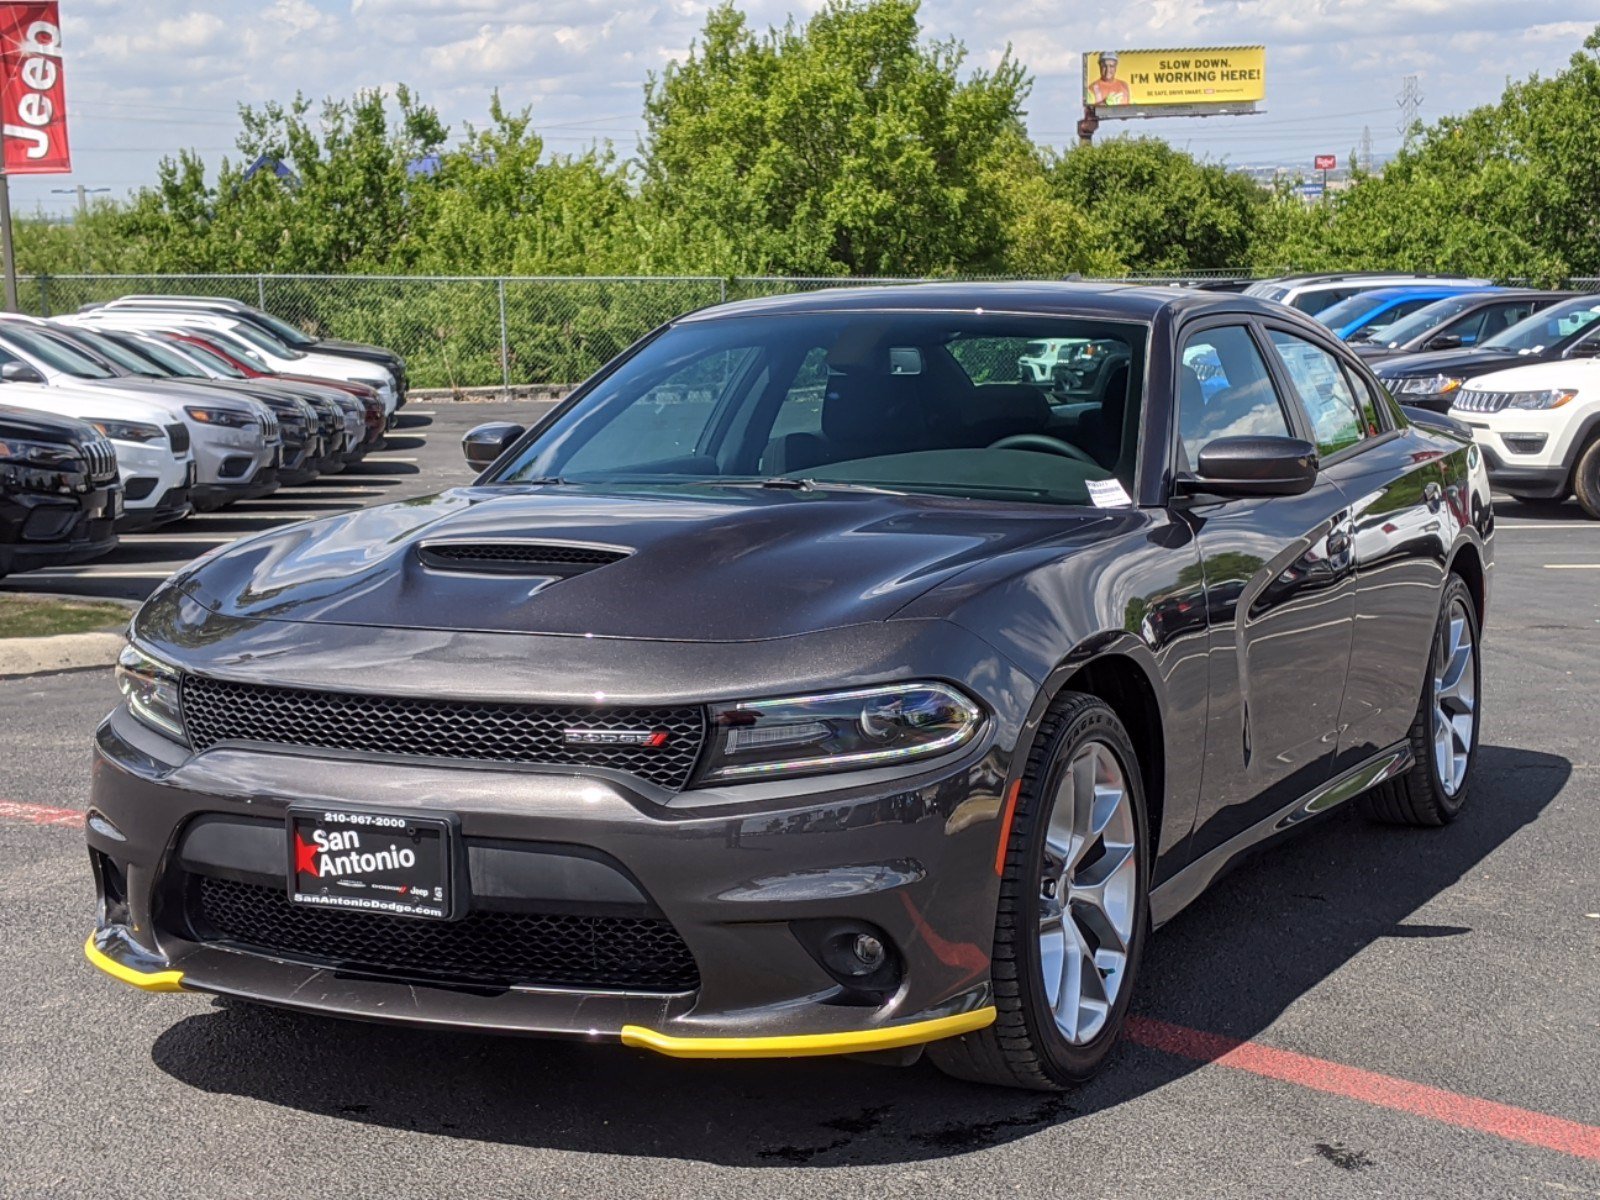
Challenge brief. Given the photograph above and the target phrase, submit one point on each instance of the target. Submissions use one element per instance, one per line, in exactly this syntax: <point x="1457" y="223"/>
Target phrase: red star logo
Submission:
<point x="305" y="856"/>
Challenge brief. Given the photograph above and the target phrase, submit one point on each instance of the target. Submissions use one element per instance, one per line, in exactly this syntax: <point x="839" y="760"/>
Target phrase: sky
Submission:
<point x="146" y="78"/>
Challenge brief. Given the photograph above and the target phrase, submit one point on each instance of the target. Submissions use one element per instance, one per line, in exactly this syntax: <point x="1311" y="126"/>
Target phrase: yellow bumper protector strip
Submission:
<point x="856" y="1041"/>
<point x="152" y="981"/>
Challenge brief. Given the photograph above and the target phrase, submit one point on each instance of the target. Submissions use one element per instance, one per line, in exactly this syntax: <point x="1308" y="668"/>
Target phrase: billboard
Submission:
<point x="1172" y="83"/>
<point x="33" y="95"/>
<point x="1326" y="162"/>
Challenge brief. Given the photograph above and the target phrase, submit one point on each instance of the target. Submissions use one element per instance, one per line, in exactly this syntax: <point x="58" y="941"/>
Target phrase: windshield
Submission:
<point x="285" y="332"/>
<point x="108" y="348"/>
<point x="1547" y="326"/>
<point x="1352" y="308"/>
<point x="262" y="340"/>
<point x="55" y="353"/>
<point x="164" y="358"/>
<point x="187" y="352"/>
<point x="239" y="349"/>
<point x="912" y="402"/>
<point x="1424" y="320"/>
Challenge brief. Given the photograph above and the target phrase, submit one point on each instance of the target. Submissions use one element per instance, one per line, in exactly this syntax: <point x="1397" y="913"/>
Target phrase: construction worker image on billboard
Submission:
<point x="1108" y="89"/>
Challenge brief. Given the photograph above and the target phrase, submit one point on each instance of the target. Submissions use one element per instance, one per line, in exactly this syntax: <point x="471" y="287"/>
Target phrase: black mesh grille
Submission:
<point x="486" y="947"/>
<point x="519" y="554"/>
<point x="102" y="459"/>
<point x="178" y="435"/>
<point x="216" y="711"/>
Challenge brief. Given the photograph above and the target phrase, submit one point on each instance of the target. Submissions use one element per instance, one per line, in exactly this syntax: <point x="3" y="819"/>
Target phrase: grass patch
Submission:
<point x="29" y="616"/>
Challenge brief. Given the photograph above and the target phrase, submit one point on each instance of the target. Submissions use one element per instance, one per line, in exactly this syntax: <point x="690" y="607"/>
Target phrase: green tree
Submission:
<point x="842" y="146"/>
<point x="1161" y="210"/>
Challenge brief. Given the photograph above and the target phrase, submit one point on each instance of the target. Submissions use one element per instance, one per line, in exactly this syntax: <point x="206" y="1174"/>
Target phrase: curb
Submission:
<point x="20" y="657"/>
<point x="63" y="652"/>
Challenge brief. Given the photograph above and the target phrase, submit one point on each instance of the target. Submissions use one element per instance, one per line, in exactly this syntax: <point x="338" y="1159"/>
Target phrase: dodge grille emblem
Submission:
<point x="649" y="738"/>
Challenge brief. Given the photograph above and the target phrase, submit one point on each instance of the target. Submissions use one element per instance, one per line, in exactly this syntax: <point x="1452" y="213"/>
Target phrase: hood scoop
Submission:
<point x="544" y="559"/>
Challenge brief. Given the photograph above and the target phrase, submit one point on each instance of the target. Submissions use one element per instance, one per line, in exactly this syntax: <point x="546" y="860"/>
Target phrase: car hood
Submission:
<point x="1469" y="360"/>
<point x="700" y="564"/>
<point x="358" y="350"/>
<point x="23" y="423"/>
<point x="1537" y="376"/>
<point x="86" y="403"/>
<point x="172" y="392"/>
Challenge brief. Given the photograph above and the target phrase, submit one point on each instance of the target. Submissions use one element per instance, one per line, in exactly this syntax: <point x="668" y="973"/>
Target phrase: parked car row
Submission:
<point x="1520" y="367"/>
<point x="130" y="415"/>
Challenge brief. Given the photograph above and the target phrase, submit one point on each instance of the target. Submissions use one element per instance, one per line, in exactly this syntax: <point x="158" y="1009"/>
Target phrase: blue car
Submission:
<point x="1365" y="313"/>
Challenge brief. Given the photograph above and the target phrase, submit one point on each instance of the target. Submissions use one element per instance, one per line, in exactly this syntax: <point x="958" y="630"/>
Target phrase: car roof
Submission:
<point x="1112" y="301"/>
<point x="1411" y="291"/>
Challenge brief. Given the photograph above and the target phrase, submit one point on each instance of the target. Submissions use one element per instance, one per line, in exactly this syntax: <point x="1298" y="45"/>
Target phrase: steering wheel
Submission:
<point x="1042" y="441"/>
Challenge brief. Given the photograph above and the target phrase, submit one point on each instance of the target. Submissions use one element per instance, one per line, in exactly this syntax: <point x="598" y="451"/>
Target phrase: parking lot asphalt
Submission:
<point x="1362" y="1011"/>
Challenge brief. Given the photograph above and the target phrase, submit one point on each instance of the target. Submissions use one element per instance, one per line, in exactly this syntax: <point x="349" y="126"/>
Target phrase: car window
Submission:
<point x="1313" y="303"/>
<point x="801" y="409"/>
<point x="1378" y="324"/>
<point x="669" y="420"/>
<point x="1320" y="382"/>
<point x="1225" y="390"/>
<point x="1493" y="320"/>
<point x="1548" y="326"/>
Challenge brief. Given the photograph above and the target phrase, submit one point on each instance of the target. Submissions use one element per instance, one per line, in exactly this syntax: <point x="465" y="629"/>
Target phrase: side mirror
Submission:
<point x="485" y="443"/>
<point x="20" y="372"/>
<point x="1443" y="341"/>
<point x="1254" y="466"/>
<point x="1588" y="349"/>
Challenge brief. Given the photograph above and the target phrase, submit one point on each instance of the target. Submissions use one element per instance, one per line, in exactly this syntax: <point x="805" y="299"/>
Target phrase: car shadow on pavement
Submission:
<point x="1230" y="965"/>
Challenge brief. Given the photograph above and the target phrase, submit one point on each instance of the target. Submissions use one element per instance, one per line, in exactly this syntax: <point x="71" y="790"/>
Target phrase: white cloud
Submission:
<point x="146" y="77"/>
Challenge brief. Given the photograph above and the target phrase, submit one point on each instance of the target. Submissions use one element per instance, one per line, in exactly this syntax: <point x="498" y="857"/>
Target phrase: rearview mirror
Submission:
<point x="1254" y="466"/>
<point x="20" y="372"/>
<point x="485" y="443"/>
<point x="1444" y="341"/>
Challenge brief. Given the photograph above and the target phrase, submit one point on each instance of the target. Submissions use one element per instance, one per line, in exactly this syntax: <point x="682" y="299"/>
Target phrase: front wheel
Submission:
<point x="1586" y="479"/>
<point x="1444" y="733"/>
<point x="1074" y="908"/>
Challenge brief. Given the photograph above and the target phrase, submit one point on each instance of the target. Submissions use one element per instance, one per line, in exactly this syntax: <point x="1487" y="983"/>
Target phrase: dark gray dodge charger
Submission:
<point x="814" y="680"/>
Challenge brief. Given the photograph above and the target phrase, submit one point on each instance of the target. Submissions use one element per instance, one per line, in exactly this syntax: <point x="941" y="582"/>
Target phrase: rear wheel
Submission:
<point x="1073" y="912"/>
<point x="1444" y="733"/>
<point x="1586" y="479"/>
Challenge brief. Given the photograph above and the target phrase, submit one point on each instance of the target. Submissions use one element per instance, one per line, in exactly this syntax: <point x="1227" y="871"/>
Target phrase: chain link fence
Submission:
<point x="476" y="332"/>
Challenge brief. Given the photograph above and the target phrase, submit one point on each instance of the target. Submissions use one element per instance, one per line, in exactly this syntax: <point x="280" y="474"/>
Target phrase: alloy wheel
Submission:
<point x="1087" y="892"/>
<point x="1455" y="697"/>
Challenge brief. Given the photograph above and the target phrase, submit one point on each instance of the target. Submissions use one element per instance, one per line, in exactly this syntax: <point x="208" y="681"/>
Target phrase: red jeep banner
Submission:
<point x="33" y="95"/>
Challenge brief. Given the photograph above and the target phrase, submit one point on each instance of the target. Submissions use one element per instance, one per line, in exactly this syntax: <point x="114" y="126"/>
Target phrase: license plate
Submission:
<point x="372" y="862"/>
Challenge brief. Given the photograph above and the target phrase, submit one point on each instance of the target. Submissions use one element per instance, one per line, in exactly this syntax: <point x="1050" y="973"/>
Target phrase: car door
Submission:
<point x="1404" y="517"/>
<point x="1280" y="594"/>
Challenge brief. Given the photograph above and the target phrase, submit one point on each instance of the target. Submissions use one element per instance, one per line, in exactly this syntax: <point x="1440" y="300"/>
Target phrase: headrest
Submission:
<point x="996" y="410"/>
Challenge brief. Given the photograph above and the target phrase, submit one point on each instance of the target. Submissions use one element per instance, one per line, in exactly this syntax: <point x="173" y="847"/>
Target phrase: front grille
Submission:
<point x="101" y="456"/>
<point x="178" y="435"/>
<point x="220" y="711"/>
<point x="269" y="425"/>
<point x="485" y="947"/>
<point x="1471" y="401"/>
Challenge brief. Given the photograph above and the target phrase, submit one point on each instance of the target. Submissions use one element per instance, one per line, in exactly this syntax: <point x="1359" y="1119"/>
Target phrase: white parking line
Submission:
<point x="385" y="458"/>
<point x="90" y="574"/>
<point x="1574" y="525"/>
<point x="419" y="412"/>
<point x="156" y="538"/>
<point x="1572" y="566"/>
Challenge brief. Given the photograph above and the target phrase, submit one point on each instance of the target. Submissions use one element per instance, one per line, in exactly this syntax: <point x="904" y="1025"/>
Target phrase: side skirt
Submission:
<point x="1177" y="893"/>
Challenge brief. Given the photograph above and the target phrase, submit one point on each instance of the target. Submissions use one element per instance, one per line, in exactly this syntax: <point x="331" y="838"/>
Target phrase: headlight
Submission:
<point x="38" y="454"/>
<point x="128" y="431"/>
<point x="221" y="416"/>
<point x="1550" y="398"/>
<point x="1429" y="385"/>
<point x="151" y="689"/>
<point x="840" y="731"/>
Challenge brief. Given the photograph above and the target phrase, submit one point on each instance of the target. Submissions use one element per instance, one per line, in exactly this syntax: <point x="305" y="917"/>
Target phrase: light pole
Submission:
<point x="82" y="193"/>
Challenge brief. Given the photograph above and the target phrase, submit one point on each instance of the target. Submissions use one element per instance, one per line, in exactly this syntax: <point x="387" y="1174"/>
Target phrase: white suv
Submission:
<point x="1539" y="429"/>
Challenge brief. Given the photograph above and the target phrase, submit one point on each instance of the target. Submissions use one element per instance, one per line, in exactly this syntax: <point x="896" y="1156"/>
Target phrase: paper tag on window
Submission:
<point x="1108" y="493"/>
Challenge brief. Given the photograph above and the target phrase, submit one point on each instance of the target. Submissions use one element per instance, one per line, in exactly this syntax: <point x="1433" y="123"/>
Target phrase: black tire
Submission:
<point x="1419" y="797"/>
<point x="1024" y="1048"/>
<point x="1586" y="479"/>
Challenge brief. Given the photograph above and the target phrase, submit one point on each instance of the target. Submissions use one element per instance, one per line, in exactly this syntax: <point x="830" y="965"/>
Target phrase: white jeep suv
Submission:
<point x="1539" y="429"/>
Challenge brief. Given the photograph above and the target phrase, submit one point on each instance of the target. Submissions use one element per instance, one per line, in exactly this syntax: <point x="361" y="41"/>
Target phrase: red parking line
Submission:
<point x="39" y="814"/>
<point x="1385" y="1091"/>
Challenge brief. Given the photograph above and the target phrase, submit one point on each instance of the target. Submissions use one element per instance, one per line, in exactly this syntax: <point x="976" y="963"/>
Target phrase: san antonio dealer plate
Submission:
<point x="371" y="862"/>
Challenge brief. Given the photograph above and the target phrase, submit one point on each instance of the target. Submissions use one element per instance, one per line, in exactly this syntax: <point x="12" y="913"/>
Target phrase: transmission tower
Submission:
<point x="1410" y="102"/>
<point x="1365" y="157"/>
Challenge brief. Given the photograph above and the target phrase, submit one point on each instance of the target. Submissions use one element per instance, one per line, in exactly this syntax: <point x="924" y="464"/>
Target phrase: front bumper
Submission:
<point x="39" y="530"/>
<point x="912" y="858"/>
